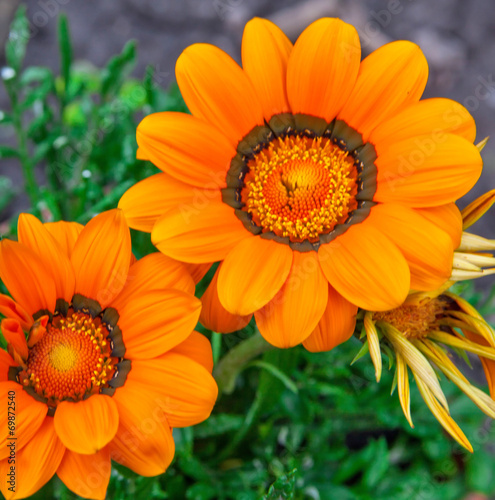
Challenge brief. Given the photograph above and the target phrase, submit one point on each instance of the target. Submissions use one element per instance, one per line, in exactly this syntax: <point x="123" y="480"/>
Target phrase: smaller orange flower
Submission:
<point x="109" y="364"/>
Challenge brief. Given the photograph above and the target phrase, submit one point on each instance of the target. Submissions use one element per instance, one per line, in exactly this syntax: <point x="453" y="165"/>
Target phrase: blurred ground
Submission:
<point x="457" y="37"/>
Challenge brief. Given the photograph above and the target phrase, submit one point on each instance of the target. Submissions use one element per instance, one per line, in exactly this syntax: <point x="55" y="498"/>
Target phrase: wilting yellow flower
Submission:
<point x="320" y="181"/>
<point x="109" y="365"/>
<point x="420" y="332"/>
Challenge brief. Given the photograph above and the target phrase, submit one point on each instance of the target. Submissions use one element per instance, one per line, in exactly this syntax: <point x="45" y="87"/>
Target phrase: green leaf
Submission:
<point x="283" y="488"/>
<point x="36" y="74"/>
<point x="216" y="425"/>
<point x="15" y="48"/>
<point x="362" y="352"/>
<point x="276" y="373"/>
<point x="65" y="48"/>
<point x="201" y="491"/>
<point x="8" y="152"/>
<point x="117" y="68"/>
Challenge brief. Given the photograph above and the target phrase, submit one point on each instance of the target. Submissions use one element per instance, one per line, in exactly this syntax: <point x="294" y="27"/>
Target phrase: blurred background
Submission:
<point x="457" y="37"/>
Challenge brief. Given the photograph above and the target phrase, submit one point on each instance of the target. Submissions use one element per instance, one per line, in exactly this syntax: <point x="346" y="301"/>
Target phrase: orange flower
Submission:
<point x="320" y="181"/>
<point x="110" y="364"/>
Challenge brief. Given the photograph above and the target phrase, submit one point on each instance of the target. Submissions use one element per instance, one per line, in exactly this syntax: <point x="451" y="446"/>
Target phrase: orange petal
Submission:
<point x="87" y="426"/>
<point x="65" y="234"/>
<point x="421" y="173"/>
<point x="141" y="154"/>
<point x="156" y="321"/>
<point x="366" y="268"/>
<point x="14" y="335"/>
<point x="447" y="217"/>
<point x="197" y="271"/>
<point x="336" y="325"/>
<point x="6" y="362"/>
<point x="427" y="248"/>
<point x="35" y="463"/>
<point x="198" y="348"/>
<point x="187" y="148"/>
<point x="297" y="308"/>
<point x="34" y="235"/>
<point x="101" y="257"/>
<point x="154" y="272"/>
<point x="252" y="274"/>
<point x="198" y="391"/>
<point x="199" y="234"/>
<point x="146" y="201"/>
<point x="86" y="475"/>
<point x="29" y="415"/>
<point x="477" y="208"/>
<point x="435" y="117"/>
<point x="144" y="440"/>
<point x="11" y="309"/>
<point x="26" y="278"/>
<point x="214" y="316"/>
<point x="323" y="68"/>
<point x="216" y="89"/>
<point x="265" y="52"/>
<point x="389" y="79"/>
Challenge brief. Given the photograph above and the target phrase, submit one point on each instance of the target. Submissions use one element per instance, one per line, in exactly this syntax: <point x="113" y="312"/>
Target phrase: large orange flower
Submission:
<point x="320" y="181"/>
<point x="109" y="365"/>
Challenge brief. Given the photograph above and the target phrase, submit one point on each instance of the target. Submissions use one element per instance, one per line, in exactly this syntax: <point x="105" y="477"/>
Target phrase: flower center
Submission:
<point x="78" y="354"/>
<point x="301" y="181"/>
<point x="300" y="187"/>
<point x="414" y="321"/>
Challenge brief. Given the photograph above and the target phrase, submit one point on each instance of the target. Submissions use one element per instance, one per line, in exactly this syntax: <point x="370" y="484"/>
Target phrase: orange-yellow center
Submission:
<point x="414" y="321"/>
<point x="72" y="359"/>
<point x="300" y="187"/>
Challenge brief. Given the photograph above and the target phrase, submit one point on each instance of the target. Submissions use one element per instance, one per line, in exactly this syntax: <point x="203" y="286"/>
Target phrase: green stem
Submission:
<point x="236" y="359"/>
<point x="32" y="188"/>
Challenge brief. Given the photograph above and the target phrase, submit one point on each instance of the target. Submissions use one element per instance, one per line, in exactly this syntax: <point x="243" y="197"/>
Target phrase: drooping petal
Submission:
<point x="187" y="148"/>
<point x="436" y="116"/>
<point x="36" y="290"/>
<point x="265" y="52"/>
<point x="156" y="321"/>
<point x="101" y="257"/>
<point x="87" y="426"/>
<point x="199" y="233"/>
<point x="252" y="274"/>
<point x="198" y="391"/>
<point x="144" y="440"/>
<point x="366" y="268"/>
<point x="214" y="316"/>
<point x="154" y="272"/>
<point x="421" y="173"/>
<point x="86" y="475"/>
<point x="427" y="248"/>
<point x="29" y="415"/>
<point x="34" y="235"/>
<point x="198" y="348"/>
<point x="290" y="317"/>
<point x="323" y="67"/>
<point x="14" y="335"/>
<point x="6" y="362"/>
<point x="216" y="89"/>
<point x="65" y="234"/>
<point x="336" y="325"/>
<point x="36" y="463"/>
<point x="447" y="217"/>
<point x="390" y="78"/>
<point x="11" y="309"/>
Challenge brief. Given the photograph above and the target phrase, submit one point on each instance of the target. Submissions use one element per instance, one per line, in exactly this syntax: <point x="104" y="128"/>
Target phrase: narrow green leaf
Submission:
<point x="283" y="488"/>
<point x="276" y="373"/>
<point x="65" y="48"/>
<point x="15" y="48"/>
<point x="8" y="152"/>
<point x="362" y="352"/>
<point x="117" y="68"/>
